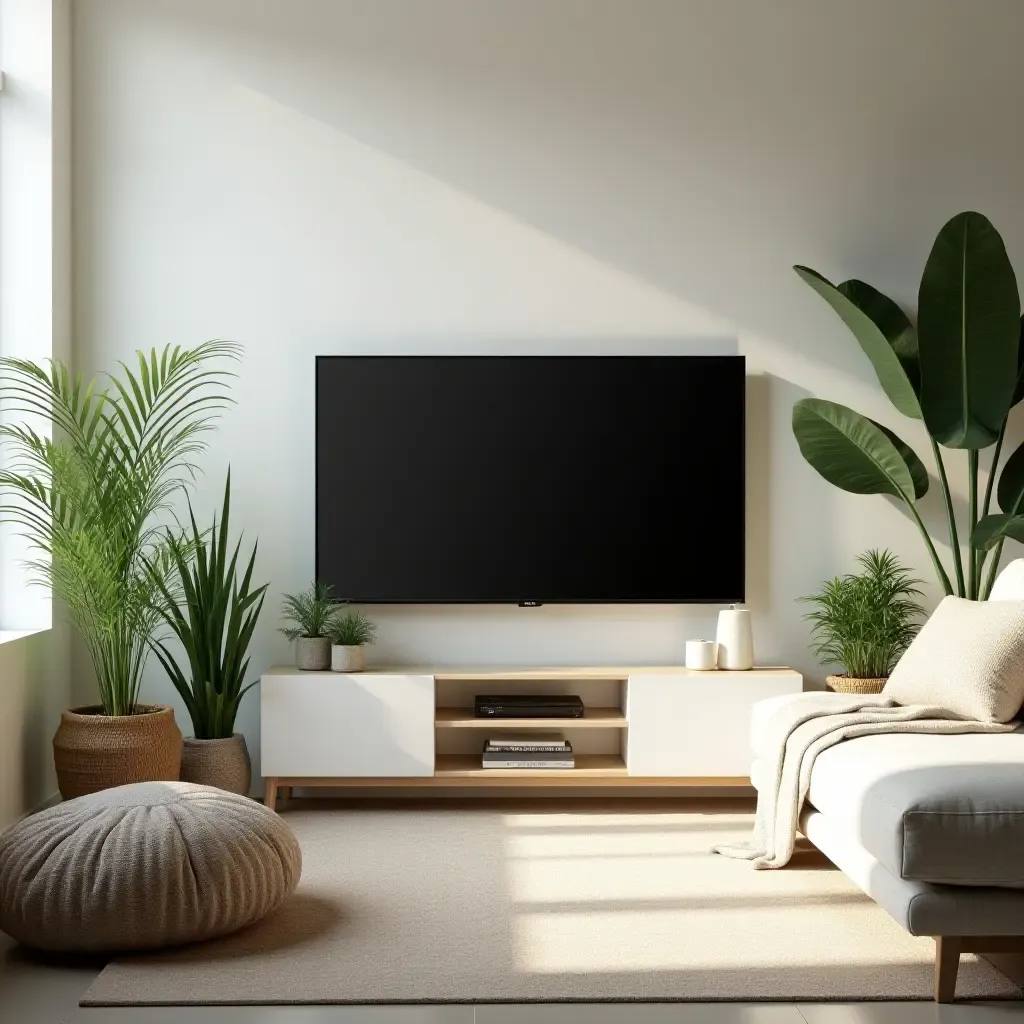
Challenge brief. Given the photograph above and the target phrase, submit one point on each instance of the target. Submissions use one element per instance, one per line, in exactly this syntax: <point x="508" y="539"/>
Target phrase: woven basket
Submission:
<point x="223" y="763"/>
<point x="851" y="684"/>
<point x="94" y="751"/>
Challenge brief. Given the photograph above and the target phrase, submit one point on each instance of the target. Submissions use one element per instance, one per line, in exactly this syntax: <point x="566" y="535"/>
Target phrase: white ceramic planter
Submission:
<point x="347" y="659"/>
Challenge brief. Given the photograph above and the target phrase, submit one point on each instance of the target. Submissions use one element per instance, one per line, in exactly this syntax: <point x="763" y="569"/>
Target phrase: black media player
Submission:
<point x="527" y="705"/>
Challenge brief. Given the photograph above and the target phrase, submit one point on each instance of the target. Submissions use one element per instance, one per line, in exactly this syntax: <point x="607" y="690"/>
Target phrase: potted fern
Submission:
<point x="93" y="502"/>
<point x="311" y="612"/>
<point x="864" y="622"/>
<point x="212" y="613"/>
<point x="349" y="634"/>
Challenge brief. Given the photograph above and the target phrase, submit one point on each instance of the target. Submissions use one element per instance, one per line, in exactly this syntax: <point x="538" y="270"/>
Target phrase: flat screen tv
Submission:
<point x="530" y="480"/>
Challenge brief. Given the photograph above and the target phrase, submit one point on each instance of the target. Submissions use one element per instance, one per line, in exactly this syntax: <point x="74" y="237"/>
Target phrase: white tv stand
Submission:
<point x="414" y="727"/>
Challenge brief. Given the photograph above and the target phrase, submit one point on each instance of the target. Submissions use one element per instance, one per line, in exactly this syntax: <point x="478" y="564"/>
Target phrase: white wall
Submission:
<point x="330" y="176"/>
<point x="35" y="311"/>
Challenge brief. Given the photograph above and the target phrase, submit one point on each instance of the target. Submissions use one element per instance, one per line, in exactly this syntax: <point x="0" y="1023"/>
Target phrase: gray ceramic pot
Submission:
<point x="347" y="659"/>
<point x="222" y="763"/>
<point x="313" y="653"/>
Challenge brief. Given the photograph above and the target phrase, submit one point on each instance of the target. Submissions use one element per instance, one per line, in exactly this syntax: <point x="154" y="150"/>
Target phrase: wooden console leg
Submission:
<point x="284" y="792"/>
<point x="270" y="793"/>
<point x="947" y="963"/>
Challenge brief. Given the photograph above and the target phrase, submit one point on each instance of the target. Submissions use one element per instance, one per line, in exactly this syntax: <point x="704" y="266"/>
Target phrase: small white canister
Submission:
<point x="701" y="655"/>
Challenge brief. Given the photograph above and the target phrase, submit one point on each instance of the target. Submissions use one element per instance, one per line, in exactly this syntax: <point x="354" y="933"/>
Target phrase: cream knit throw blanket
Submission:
<point x="797" y="733"/>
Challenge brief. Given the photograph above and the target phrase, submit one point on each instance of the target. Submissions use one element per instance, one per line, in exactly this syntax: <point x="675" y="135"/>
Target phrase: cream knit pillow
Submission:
<point x="969" y="658"/>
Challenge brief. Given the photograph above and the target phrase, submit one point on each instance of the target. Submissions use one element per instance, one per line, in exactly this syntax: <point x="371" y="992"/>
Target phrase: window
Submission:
<point x="34" y="232"/>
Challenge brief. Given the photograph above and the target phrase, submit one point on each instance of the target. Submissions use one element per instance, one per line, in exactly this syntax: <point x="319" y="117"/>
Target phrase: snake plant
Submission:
<point x="212" y="613"/>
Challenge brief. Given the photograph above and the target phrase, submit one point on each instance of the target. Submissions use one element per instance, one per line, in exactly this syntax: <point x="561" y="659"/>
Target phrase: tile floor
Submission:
<point x="37" y="992"/>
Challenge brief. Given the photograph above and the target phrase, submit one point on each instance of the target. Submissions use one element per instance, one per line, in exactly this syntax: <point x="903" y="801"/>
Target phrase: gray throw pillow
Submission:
<point x="969" y="658"/>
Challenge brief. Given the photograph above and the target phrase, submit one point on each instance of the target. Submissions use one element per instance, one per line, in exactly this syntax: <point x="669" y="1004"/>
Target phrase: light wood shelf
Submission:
<point x="497" y="778"/>
<point x="594" y="718"/>
<point x="451" y="766"/>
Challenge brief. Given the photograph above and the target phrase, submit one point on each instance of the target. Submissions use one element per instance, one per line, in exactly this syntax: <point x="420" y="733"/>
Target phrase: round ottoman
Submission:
<point x="143" y="866"/>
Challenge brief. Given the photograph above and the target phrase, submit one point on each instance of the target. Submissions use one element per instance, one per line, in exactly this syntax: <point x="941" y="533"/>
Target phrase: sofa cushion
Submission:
<point x="968" y="657"/>
<point x="942" y="809"/>
<point x="920" y="907"/>
<point x="1009" y="584"/>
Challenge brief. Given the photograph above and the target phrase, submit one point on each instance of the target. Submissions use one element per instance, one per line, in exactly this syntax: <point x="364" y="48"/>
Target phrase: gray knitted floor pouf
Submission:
<point x="144" y="866"/>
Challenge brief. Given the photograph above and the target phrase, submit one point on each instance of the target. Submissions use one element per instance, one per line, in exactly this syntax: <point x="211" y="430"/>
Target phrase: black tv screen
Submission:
<point x="577" y="479"/>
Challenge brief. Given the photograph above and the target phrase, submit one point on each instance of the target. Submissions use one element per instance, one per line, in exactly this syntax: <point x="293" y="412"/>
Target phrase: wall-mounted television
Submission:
<point x="530" y="479"/>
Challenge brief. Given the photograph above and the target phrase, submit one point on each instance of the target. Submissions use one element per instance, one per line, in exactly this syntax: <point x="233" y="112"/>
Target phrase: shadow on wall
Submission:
<point x="768" y="120"/>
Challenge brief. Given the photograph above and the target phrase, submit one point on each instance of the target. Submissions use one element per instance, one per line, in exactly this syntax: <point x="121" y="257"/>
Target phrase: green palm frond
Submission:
<point x="866" y="621"/>
<point x="313" y="611"/>
<point x="95" y="500"/>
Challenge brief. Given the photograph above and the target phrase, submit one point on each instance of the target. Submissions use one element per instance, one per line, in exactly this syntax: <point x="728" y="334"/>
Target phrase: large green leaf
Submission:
<point x="877" y="325"/>
<point x="918" y="470"/>
<point x="894" y="324"/>
<point x="992" y="529"/>
<point x="1018" y="391"/>
<point x="969" y="334"/>
<point x="849" y="450"/>
<point x="1010" y="492"/>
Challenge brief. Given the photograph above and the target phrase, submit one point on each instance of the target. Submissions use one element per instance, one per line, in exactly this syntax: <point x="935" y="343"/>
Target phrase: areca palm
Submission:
<point x="94" y="500"/>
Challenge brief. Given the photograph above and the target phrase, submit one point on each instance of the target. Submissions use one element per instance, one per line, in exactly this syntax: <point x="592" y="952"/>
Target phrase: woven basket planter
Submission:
<point x="223" y="763"/>
<point x="94" y="751"/>
<point x="851" y="684"/>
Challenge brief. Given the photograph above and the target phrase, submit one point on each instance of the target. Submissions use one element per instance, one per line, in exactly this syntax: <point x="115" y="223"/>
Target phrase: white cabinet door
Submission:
<point x="332" y="724"/>
<point x="697" y="724"/>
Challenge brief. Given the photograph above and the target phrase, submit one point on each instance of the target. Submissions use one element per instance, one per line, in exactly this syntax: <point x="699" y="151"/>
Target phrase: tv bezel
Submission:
<point x="522" y="602"/>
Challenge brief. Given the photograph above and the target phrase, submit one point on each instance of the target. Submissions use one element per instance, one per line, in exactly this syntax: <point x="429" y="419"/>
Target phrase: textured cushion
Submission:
<point x="1009" y="584"/>
<point x="969" y="658"/>
<point x="942" y="809"/>
<point x="143" y="866"/>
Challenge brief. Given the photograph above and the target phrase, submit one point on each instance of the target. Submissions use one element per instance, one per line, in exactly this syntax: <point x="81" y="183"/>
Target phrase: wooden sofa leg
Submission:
<point x="947" y="963"/>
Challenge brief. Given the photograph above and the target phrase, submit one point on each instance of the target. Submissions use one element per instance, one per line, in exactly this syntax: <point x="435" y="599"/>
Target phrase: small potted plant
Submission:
<point x="865" y="621"/>
<point x="350" y="633"/>
<point x="213" y="614"/>
<point x="312" y="612"/>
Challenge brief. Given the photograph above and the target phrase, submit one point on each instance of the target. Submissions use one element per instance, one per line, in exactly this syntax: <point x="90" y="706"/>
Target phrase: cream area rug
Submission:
<point x="481" y="905"/>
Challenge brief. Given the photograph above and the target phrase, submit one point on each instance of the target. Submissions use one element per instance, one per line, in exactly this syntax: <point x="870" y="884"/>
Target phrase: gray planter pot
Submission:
<point x="313" y="653"/>
<point x="347" y="659"/>
<point x="222" y="763"/>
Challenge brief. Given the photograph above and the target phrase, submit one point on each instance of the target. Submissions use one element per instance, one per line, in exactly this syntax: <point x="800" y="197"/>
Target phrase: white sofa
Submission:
<point x="931" y="827"/>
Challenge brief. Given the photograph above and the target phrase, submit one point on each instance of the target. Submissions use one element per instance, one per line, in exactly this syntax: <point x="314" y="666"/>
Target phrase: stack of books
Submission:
<point x="536" y="750"/>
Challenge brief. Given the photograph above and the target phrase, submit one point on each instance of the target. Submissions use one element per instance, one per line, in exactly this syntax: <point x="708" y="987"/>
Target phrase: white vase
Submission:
<point x="735" y="639"/>
<point x="701" y="655"/>
<point x="347" y="659"/>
